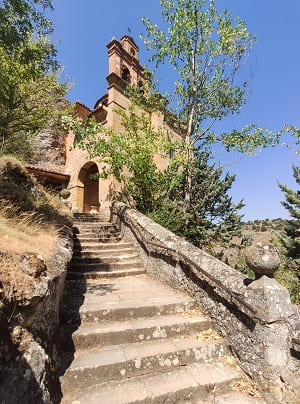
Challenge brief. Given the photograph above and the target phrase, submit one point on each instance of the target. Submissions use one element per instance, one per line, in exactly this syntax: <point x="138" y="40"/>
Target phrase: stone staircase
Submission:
<point x="130" y="339"/>
<point x="98" y="250"/>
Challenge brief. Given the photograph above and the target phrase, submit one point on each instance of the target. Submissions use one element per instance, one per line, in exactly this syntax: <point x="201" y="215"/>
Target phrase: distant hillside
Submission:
<point x="264" y="225"/>
<point x="258" y="231"/>
<point x="262" y="230"/>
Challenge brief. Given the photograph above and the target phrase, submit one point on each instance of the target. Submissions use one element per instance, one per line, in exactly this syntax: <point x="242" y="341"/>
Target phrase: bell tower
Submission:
<point x="123" y="57"/>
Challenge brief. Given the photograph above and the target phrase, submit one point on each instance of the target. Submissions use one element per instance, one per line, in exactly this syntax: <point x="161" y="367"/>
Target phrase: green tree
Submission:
<point x="27" y="102"/>
<point x="207" y="50"/>
<point x="290" y="236"/>
<point x="21" y="20"/>
<point x="212" y="219"/>
<point x="30" y="84"/>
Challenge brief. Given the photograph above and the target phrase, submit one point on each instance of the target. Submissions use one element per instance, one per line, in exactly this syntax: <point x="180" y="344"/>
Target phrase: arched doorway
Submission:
<point x="88" y="189"/>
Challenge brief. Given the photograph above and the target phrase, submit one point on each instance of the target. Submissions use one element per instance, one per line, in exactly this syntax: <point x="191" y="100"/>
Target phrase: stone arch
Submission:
<point x="88" y="188"/>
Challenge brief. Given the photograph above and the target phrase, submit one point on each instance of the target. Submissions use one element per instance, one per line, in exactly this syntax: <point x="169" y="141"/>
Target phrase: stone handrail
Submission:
<point x="256" y="317"/>
<point x="168" y="244"/>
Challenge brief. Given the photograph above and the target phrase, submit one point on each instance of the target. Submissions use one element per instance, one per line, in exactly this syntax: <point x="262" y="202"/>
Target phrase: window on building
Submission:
<point x="126" y="74"/>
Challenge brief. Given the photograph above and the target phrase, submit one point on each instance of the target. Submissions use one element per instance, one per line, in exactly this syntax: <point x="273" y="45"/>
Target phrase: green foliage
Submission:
<point x="29" y="84"/>
<point x="288" y="240"/>
<point x="21" y="21"/>
<point x="241" y="266"/>
<point x="288" y="275"/>
<point x="290" y="236"/>
<point x="127" y="155"/>
<point x="212" y="219"/>
<point x="207" y="50"/>
<point x="27" y="102"/>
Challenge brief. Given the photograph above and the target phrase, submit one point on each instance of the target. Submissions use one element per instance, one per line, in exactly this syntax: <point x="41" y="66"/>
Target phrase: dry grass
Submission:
<point x="232" y="253"/>
<point x="245" y="385"/>
<point x="30" y="218"/>
<point x="21" y="234"/>
<point x="209" y="335"/>
<point x="15" y="283"/>
<point x="25" y="232"/>
<point x="15" y="241"/>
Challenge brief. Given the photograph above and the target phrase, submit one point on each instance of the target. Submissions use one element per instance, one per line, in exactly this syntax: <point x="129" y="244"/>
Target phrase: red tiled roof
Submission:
<point x="84" y="106"/>
<point x="48" y="167"/>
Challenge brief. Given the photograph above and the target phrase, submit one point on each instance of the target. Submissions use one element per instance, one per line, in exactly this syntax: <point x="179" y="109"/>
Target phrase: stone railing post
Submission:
<point x="273" y="330"/>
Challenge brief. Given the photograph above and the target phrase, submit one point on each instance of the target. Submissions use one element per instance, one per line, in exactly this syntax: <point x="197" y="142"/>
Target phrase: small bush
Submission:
<point x="288" y="276"/>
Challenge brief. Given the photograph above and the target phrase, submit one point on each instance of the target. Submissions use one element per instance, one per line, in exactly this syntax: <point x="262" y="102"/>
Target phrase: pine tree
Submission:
<point x="212" y="218"/>
<point x="290" y="237"/>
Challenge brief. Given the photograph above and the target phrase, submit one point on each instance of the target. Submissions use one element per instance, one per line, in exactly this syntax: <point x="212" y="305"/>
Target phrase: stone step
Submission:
<point x="94" y="253"/>
<point x="105" y="274"/>
<point x="124" y="332"/>
<point x="96" y="232"/>
<point x="102" y="246"/>
<point x="89" y="218"/>
<point x="194" y="383"/>
<point x="232" y="397"/>
<point x="79" y="216"/>
<point x="93" y="223"/>
<point x="104" y="222"/>
<point x="96" y="227"/>
<point x="95" y="239"/>
<point x="77" y="309"/>
<point x="98" y="266"/>
<point x="93" y="258"/>
<point x="121" y="361"/>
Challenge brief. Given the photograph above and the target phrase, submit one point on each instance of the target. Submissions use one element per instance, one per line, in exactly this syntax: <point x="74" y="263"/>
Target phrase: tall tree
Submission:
<point x="27" y="102"/>
<point x="29" y="76"/>
<point x="212" y="218"/>
<point x="207" y="50"/>
<point x="290" y="237"/>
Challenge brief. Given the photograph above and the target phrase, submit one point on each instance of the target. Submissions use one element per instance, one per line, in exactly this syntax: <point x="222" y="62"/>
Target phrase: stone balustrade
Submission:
<point x="256" y="316"/>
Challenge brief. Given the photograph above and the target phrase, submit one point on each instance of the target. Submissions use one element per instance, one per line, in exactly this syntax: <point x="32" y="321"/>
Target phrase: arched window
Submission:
<point x="126" y="74"/>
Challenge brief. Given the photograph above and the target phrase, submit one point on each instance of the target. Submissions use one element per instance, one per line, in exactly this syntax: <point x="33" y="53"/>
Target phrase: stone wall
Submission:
<point x="49" y="144"/>
<point x="30" y="330"/>
<point x="256" y="317"/>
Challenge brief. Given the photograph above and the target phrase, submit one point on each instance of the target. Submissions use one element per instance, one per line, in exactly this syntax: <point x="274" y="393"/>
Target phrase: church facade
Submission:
<point x="70" y="168"/>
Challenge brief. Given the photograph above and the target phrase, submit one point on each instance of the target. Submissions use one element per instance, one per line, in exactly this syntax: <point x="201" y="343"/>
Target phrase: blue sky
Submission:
<point x="82" y="30"/>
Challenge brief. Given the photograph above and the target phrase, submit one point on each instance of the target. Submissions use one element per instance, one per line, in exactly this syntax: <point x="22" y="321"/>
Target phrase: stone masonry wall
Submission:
<point x="30" y="331"/>
<point x="259" y="337"/>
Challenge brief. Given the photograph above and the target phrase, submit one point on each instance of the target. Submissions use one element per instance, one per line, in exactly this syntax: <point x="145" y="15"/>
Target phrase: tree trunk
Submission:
<point x="189" y="162"/>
